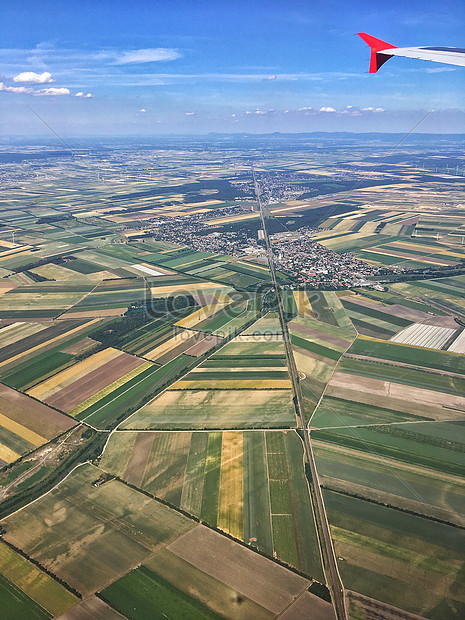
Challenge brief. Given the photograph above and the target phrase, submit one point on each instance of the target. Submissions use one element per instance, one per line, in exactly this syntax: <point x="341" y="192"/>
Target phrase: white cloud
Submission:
<point x="49" y="92"/>
<point x="142" y="110"/>
<point x="270" y="77"/>
<point x="370" y="109"/>
<point x="84" y="95"/>
<point x="18" y="90"/>
<point x="157" y="54"/>
<point x="326" y="109"/>
<point x="27" y="90"/>
<point x="29" y="77"/>
<point x="189" y="113"/>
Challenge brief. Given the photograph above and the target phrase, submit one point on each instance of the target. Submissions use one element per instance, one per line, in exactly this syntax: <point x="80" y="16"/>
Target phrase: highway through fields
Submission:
<point x="335" y="582"/>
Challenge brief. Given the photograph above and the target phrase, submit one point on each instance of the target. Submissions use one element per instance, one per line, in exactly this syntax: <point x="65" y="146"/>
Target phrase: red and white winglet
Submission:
<point x="382" y="51"/>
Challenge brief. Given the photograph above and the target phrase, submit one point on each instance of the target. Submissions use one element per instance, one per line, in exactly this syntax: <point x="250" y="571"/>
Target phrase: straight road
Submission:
<point x="335" y="582"/>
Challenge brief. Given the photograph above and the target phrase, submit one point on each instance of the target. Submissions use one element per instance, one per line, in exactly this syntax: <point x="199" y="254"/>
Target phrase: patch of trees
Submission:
<point x="54" y="260"/>
<point x="50" y="219"/>
<point x="320" y="590"/>
<point x="427" y="274"/>
<point x="37" y="277"/>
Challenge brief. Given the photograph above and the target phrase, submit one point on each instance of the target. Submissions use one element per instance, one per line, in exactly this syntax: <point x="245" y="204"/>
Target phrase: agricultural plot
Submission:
<point x="32" y="358"/>
<point x="445" y="293"/>
<point x="125" y="395"/>
<point x="374" y="321"/>
<point x="115" y="293"/>
<point x="90" y="536"/>
<point x="458" y="346"/>
<point x="316" y="347"/>
<point x="401" y="485"/>
<point x="407" y="354"/>
<point x="266" y="326"/>
<point x="41" y="300"/>
<point x="142" y="593"/>
<point x="224" y="374"/>
<point x="23" y="587"/>
<point x="427" y="444"/>
<point x="26" y="424"/>
<point x="413" y="377"/>
<point x="392" y="556"/>
<point x="249" y="484"/>
<point x="183" y="341"/>
<point x="203" y="409"/>
<point x="78" y="383"/>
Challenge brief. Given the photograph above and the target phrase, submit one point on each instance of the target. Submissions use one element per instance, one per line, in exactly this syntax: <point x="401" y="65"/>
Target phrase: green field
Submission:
<point x="429" y="444"/>
<point x="17" y="604"/>
<point x="392" y="556"/>
<point x="389" y="481"/>
<point x="406" y="376"/>
<point x="143" y="594"/>
<point x="419" y="356"/>
<point x="339" y="412"/>
<point x="25" y="587"/>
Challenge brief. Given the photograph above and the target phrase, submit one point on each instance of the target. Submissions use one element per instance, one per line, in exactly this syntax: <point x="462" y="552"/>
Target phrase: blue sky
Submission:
<point x="145" y="67"/>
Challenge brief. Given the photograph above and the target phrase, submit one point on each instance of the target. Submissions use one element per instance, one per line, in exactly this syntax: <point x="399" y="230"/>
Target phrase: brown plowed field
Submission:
<point x="203" y="345"/>
<point x="138" y="460"/>
<point x="38" y="338"/>
<point x="339" y="342"/>
<point x="33" y="415"/>
<point x="85" y="387"/>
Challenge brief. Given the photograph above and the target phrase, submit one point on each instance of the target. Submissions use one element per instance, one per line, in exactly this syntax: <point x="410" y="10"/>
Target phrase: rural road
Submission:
<point x="336" y="585"/>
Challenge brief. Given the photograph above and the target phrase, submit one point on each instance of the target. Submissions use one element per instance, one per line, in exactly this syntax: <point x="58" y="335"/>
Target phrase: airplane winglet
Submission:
<point x="377" y="58"/>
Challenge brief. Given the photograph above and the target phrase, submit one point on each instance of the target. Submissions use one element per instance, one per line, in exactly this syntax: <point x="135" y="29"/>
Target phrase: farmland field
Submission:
<point x="201" y="409"/>
<point x="142" y="593"/>
<point x="24" y="579"/>
<point x="392" y="555"/>
<point x="26" y="424"/>
<point x="227" y="479"/>
<point x="89" y="536"/>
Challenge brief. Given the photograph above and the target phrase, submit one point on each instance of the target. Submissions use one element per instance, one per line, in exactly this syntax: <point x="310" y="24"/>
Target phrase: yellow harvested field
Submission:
<point x="64" y="336"/>
<point x="169" y="344"/>
<point x="199" y="315"/>
<point x="3" y="257"/>
<point x="7" y="455"/>
<point x="107" y="390"/>
<point x="172" y="288"/>
<point x="64" y="378"/>
<point x="233" y="384"/>
<point x="231" y="495"/>
<point x="15" y="250"/>
<point x="22" y="431"/>
<point x="303" y="304"/>
<point x="7" y="286"/>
